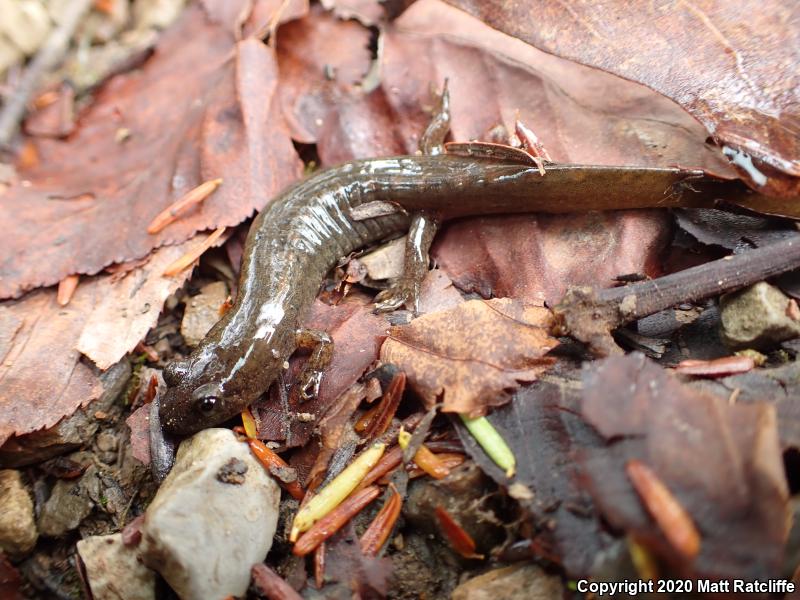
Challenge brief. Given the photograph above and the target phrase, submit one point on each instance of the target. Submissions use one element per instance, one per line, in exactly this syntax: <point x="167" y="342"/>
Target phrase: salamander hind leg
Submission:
<point x="321" y="346"/>
<point x="407" y="288"/>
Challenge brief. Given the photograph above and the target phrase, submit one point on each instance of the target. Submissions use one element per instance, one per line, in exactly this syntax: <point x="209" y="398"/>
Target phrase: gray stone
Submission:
<point x="17" y="526"/>
<point x="114" y="571"/>
<point x="205" y="529"/>
<point x="520" y="582"/>
<point x="202" y="311"/>
<point x="69" y="504"/>
<point x="71" y="432"/>
<point x="759" y="317"/>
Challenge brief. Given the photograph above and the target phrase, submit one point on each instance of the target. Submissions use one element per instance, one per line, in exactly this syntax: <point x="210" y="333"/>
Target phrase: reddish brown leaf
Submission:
<point x="272" y="585"/>
<point x="580" y="115"/>
<point x="334" y="520"/>
<point x="718" y="367"/>
<point x="537" y="257"/>
<point x="461" y="541"/>
<point x="308" y="49"/>
<point x="722" y="462"/>
<point x="43" y="377"/>
<point x="467" y="356"/>
<point x="204" y="105"/>
<point x="382" y="525"/>
<point x="731" y="65"/>
<point x="675" y="523"/>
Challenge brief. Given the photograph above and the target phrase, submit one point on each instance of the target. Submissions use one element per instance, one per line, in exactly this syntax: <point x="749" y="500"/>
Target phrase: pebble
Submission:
<point x="758" y="317"/>
<point x="519" y="582"/>
<point x="113" y="569"/>
<point x="202" y="312"/>
<point x="213" y="518"/>
<point x="68" y="505"/>
<point x="17" y="526"/>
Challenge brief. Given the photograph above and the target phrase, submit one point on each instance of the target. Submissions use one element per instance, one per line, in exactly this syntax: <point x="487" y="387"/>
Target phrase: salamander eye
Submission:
<point x="207" y="404"/>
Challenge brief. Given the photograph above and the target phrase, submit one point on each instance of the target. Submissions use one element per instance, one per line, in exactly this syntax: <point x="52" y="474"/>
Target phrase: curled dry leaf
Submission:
<point x="731" y="65"/>
<point x="468" y="356"/>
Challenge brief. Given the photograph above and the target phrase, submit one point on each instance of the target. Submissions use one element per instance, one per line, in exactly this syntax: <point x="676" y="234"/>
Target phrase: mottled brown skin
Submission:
<point x="301" y="235"/>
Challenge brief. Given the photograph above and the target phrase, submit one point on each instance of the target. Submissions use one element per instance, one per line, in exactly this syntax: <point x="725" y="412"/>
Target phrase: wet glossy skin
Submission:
<point x="297" y="239"/>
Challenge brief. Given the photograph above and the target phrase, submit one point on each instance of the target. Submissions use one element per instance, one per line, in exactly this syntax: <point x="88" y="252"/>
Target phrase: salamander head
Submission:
<point x="202" y="392"/>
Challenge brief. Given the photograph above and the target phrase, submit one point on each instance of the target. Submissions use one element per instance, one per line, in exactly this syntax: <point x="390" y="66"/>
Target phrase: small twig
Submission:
<point x="589" y="315"/>
<point x="48" y="56"/>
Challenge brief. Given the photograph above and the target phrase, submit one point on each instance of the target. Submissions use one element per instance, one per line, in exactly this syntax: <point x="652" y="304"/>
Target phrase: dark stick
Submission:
<point x="589" y="315"/>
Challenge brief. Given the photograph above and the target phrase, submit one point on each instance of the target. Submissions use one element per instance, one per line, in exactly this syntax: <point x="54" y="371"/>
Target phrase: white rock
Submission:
<point x="17" y="526"/>
<point x="114" y="570"/>
<point x="213" y="518"/>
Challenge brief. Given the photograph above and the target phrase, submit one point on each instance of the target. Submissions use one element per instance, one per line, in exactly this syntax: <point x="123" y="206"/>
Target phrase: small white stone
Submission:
<point x="213" y="518"/>
<point x="114" y="571"/>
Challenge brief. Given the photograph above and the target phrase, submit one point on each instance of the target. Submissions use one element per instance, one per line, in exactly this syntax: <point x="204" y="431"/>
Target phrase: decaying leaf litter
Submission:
<point x="597" y="471"/>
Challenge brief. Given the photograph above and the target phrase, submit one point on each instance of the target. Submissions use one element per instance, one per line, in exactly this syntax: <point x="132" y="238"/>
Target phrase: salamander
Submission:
<point x="302" y="233"/>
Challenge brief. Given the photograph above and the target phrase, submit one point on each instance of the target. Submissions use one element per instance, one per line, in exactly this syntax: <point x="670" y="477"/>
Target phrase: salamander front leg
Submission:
<point x="321" y="346"/>
<point x="407" y="288"/>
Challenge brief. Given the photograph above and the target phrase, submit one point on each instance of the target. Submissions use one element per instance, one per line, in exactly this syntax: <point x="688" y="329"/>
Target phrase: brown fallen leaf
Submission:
<point x="731" y="65"/>
<point x="310" y="51"/>
<point x="205" y="105"/>
<point x="128" y="307"/>
<point x="536" y="258"/>
<point x="721" y="462"/>
<point x="43" y="376"/>
<point x="467" y="357"/>
<point x="676" y="525"/>
<point x="579" y="114"/>
<point x="718" y="367"/>
<point x="543" y="427"/>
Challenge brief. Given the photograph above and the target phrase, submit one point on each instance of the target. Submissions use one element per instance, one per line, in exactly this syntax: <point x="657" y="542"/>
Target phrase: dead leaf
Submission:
<point x="127" y="308"/>
<point x="543" y="427"/>
<point x="580" y="115"/>
<point x="718" y="367"/>
<point x="204" y="105"/>
<point x="722" y="462"/>
<point x="139" y="424"/>
<point x="732" y="66"/>
<point x="308" y="49"/>
<point x="537" y="257"/>
<point x="779" y="386"/>
<point x="43" y="376"/>
<point x="467" y="357"/>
